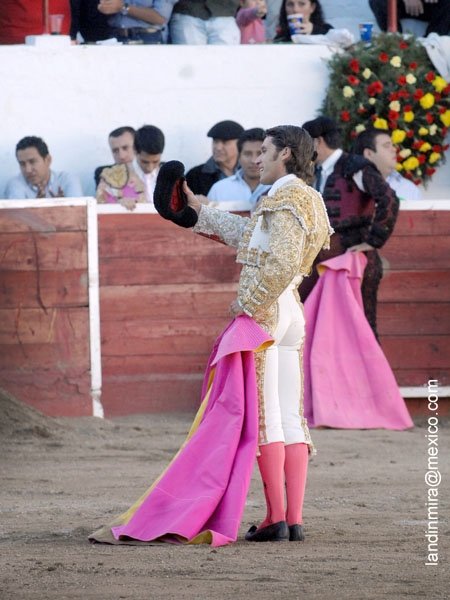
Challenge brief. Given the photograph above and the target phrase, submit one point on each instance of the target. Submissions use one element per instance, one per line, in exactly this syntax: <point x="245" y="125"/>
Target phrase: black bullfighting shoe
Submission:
<point x="296" y="533"/>
<point x="169" y="199"/>
<point x="276" y="532"/>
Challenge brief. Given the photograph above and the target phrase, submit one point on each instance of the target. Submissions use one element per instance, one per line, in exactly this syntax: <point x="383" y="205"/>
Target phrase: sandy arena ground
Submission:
<point x="364" y="516"/>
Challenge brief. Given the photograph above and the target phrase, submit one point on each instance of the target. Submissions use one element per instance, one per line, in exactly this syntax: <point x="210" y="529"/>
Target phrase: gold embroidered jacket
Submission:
<point x="276" y="245"/>
<point x="118" y="182"/>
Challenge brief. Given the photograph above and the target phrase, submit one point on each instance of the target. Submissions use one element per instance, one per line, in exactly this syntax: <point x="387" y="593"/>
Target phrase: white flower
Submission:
<point x="395" y="105"/>
<point x="396" y="61"/>
<point x="360" y="128"/>
<point x="405" y="153"/>
<point x="433" y="129"/>
<point x="348" y="92"/>
<point x="366" y="73"/>
<point x="410" y="78"/>
<point x="372" y="100"/>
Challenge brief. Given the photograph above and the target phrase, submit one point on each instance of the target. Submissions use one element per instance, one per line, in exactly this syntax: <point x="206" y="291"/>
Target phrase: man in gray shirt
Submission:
<point x="37" y="180"/>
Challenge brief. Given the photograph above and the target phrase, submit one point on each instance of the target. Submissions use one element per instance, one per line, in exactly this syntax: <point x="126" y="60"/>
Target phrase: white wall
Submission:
<point x="72" y="96"/>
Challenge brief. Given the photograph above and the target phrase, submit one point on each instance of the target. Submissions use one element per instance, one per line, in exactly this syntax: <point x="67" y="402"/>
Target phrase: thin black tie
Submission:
<point x="318" y="170"/>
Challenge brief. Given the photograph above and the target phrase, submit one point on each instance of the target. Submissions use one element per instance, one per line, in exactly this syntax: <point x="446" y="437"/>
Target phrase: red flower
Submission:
<point x="354" y="65"/>
<point x="409" y="133"/>
<point x="402" y="80"/>
<point x="403" y="94"/>
<point x="444" y="131"/>
<point x="413" y="65"/>
<point x="403" y="45"/>
<point x="422" y="158"/>
<point x="384" y="57"/>
<point x="429" y="118"/>
<point x="407" y="107"/>
<point x="430" y="76"/>
<point x="393" y="115"/>
<point x="361" y="111"/>
<point x="417" y="181"/>
<point x="353" y="134"/>
<point x="393" y="96"/>
<point x="378" y="86"/>
<point x="446" y="90"/>
<point x="345" y="115"/>
<point x="392" y="125"/>
<point x="353" y="80"/>
<point x="446" y="147"/>
<point x="431" y="171"/>
<point x="408" y="175"/>
<point x="437" y="148"/>
<point x="418" y="94"/>
<point x="442" y="110"/>
<point x="437" y="97"/>
<point x="374" y="117"/>
<point x="416" y="145"/>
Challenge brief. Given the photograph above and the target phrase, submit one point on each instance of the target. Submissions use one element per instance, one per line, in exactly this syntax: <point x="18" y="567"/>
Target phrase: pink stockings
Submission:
<point x="293" y="460"/>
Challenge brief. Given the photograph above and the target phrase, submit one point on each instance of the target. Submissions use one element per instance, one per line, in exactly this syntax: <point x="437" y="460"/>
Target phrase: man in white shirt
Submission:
<point x="376" y="145"/>
<point x="244" y="186"/>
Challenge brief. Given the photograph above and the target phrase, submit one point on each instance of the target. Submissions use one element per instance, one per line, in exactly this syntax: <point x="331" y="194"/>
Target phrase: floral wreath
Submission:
<point x="390" y="84"/>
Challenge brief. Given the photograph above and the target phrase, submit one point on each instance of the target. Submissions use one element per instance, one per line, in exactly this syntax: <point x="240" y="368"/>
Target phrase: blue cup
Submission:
<point x="365" y="31"/>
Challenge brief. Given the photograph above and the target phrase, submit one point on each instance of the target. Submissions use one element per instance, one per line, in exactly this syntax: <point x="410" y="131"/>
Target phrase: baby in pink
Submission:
<point x="249" y="19"/>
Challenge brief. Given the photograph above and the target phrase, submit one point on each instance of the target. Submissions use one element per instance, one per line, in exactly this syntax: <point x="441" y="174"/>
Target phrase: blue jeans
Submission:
<point x="185" y="29"/>
<point x="142" y="37"/>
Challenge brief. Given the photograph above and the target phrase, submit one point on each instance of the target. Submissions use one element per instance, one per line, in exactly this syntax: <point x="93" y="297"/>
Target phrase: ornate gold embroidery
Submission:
<point x="226" y="226"/>
<point x="260" y="366"/>
<point x="116" y="176"/>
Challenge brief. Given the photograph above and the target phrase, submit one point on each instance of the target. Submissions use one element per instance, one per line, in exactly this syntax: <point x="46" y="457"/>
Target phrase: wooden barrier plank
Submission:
<point x="32" y="289"/>
<point x="424" y="252"/>
<point x="183" y="301"/>
<point x="146" y="336"/>
<point x="179" y="269"/>
<point x="193" y="364"/>
<point x="415" y="286"/>
<point x="55" y="251"/>
<point x="48" y="220"/>
<point x="422" y="222"/>
<point x="420" y="377"/>
<point x="417" y="352"/>
<point x="413" y="318"/>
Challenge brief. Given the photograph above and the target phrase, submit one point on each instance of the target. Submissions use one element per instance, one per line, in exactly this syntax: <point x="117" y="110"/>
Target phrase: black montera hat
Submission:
<point x="169" y="199"/>
<point x="226" y="130"/>
<point x="320" y="126"/>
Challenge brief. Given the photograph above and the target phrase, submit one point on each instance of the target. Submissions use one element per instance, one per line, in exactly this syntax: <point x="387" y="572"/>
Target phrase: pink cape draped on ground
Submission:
<point x="348" y="382"/>
<point x="201" y="496"/>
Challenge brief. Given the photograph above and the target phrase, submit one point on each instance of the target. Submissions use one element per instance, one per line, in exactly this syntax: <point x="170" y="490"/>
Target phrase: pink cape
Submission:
<point x="202" y="493"/>
<point x="348" y="382"/>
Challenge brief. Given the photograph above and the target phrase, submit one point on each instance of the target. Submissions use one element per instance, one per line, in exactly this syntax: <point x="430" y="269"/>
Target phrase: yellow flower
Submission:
<point x="411" y="163"/>
<point x="408" y="116"/>
<point x="360" y="128"/>
<point x="427" y="101"/>
<point x="380" y="123"/>
<point x="445" y="118"/>
<point x="433" y="129"/>
<point x="410" y="78"/>
<point x="439" y="84"/>
<point x="372" y="100"/>
<point x="396" y="61"/>
<point x="405" y="153"/>
<point x="423" y="131"/>
<point x="398" y="135"/>
<point x="399" y="166"/>
<point x="395" y="105"/>
<point x="348" y="92"/>
<point x="367" y="73"/>
<point x="425" y="146"/>
<point x="434" y="156"/>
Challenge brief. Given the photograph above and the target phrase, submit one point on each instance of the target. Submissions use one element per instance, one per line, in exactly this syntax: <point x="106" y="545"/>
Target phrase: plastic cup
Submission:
<point x="295" y="22"/>
<point x="56" y="24"/>
<point x="365" y="31"/>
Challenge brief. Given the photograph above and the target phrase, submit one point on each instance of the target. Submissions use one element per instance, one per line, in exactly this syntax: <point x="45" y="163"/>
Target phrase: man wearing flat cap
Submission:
<point x="224" y="160"/>
<point x="361" y="206"/>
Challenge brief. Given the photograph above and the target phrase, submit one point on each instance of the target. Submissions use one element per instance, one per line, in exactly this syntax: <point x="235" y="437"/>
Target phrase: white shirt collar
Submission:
<point x="328" y="164"/>
<point x="280" y="182"/>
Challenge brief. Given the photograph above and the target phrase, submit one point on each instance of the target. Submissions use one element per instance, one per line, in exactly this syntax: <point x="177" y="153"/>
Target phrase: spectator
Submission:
<point x="37" y="180"/>
<point x="271" y="21"/>
<point x="88" y="21"/>
<point x="244" y="185"/>
<point x="19" y="18"/>
<point x="129" y="183"/>
<point x="313" y="18"/>
<point x="376" y="145"/>
<point x="121" y="142"/>
<point x="436" y="12"/>
<point x="249" y="19"/>
<point x="205" y="22"/>
<point x="224" y="159"/>
<point x="138" y="21"/>
<point x="361" y="206"/>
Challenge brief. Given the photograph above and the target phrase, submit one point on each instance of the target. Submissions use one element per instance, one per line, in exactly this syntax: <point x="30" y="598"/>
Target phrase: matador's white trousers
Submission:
<point x="280" y="376"/>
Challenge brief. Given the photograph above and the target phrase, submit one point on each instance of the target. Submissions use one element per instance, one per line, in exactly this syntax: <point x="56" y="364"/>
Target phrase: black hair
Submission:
<point x="301" y="144"/>
<point x="316" y="18"/>
<point x="149" y="139"/>
<point x="367" y="139"/>
<point x="121" y="130"/>
<point x="32" y="141"/>
<point x="250" y="135"/>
